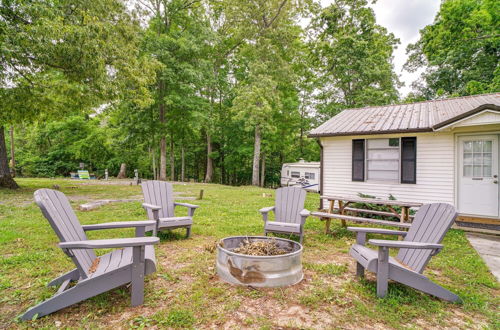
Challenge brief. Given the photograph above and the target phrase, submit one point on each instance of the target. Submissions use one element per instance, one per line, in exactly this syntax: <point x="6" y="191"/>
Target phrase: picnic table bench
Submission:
<point x="343" y="202"/>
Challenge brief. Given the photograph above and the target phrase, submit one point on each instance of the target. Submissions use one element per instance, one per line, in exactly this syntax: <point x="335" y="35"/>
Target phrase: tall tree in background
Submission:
<point x="177" y="37"/>
<point x="63" y="56"/>
<point x="460" y="51"/>
<point x="354" y="57"/>
<point x="273" y="32"/>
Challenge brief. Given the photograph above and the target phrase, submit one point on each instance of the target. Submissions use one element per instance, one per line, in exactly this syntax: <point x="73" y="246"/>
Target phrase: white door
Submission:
<point x="478" y="175"/>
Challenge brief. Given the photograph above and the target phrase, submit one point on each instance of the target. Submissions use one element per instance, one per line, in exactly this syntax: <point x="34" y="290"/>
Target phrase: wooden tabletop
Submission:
<point x="371" y="201"/>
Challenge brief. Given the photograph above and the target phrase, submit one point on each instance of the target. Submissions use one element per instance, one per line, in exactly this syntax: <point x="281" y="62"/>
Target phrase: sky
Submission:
<point x="404" y="18"/>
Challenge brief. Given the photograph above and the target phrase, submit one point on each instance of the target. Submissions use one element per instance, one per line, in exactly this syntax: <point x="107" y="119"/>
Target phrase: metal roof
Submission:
<point x="401" y="118"/>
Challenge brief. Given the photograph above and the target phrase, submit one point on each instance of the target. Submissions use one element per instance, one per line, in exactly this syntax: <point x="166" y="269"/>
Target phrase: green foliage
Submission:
<point x="459" y="50"/>
<point x="354" y="56"/>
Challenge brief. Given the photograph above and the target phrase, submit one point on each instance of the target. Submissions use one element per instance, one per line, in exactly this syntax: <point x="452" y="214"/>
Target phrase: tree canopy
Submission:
<point x="460" y="51"/>
<point x="208" y="90"/>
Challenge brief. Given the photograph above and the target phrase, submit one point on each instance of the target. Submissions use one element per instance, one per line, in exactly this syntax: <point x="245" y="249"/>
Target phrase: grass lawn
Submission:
<point x="185" y="291"/>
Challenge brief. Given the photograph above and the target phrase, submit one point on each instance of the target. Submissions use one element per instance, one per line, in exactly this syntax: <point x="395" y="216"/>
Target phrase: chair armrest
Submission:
<point x="377" y="231"/>
<point x="305" y="213"/>
<point x="362" y="231"/>
<point x="151" y="206"/>
<point x="192" y="206"/>
<point x="404" y="244"/>
<point x="120" y="224"/>
<point x="266" y="209"/>
<point x="110" y="243"/>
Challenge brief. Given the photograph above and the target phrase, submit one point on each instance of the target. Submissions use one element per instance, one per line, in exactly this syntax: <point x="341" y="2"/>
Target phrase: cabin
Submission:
<point x="435" y="151"/>
<point x="302" y="173"/>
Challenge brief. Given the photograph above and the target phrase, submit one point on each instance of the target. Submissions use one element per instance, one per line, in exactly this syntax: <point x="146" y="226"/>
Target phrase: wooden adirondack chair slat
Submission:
<point x="430" y="225"/>
<point x="63" y="224"/>
<point x="114" y="269"/>
<point x="161" y="194"/>
<point x="289" y="202"/>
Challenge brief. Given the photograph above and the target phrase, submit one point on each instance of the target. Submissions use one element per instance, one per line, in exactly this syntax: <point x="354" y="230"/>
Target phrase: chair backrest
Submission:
<point x="56" y="208"/>
<point x="289" y="203"/>
<point x="159" y="193"/>
<point x="430" y="224"/>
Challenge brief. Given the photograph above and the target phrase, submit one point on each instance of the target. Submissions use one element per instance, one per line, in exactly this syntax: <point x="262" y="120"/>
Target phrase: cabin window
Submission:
<point x="382" y="160"/>
<point x="358" y="160"/>
<point x="409" y="160"/>
<point x="295" y="174"/>
<point x="308" y="175"/>
<point x="389" y="160"/>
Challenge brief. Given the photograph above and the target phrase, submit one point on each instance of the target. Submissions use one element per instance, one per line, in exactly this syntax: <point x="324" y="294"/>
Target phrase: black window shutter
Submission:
<point x="358" y="160"/>
<point x="409" y="160"/>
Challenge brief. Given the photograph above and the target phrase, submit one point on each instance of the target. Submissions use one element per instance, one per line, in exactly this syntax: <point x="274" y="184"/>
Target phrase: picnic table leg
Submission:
<point x="341" y="211"/>
<point x="402" y="218"/>
<point x="328" y="220"/>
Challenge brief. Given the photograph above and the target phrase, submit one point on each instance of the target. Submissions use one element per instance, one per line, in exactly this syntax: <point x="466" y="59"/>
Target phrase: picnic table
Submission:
<point x="343" y="207"/>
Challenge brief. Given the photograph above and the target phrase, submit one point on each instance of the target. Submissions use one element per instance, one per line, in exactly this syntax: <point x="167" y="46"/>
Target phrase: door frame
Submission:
<point x="457" y="168"/>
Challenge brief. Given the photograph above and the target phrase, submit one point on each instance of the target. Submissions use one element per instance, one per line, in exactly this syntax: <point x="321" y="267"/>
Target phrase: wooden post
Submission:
<point x="328" y="220"/>
<point x="341" y="211"/>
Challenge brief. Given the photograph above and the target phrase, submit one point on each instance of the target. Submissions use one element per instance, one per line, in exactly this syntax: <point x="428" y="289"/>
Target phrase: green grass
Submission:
<point x="185" y="291"/>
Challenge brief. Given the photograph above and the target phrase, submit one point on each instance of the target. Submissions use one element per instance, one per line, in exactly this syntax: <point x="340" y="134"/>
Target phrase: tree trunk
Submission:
<point x="123" y="171"/>
<point x="263" y="171"/>
<point x="210" y="162"/>
<point x="183" y="163"/>
<point x="12" y="153"/>
<point x="163" y="146"/>
<point x="6" y="179"/>
<point x="256" y="157"/>
<point x="172" y="159"/>
<point x="153" y="161"/>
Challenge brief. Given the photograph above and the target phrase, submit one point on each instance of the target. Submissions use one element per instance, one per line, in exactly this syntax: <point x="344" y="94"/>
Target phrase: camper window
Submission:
<point x="295" y="174"/>
<point x="309" y="176"/>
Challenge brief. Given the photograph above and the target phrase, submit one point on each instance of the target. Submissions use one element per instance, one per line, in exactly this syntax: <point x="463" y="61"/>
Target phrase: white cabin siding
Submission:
<point x="435" y="169"/>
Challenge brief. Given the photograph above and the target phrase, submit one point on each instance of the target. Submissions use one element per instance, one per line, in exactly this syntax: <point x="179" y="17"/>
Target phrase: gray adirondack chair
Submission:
<point x="420" y="243"/>
<point x="290" y="215"/>
<point x="93" y="276"/>
<point x="160" y="207"/>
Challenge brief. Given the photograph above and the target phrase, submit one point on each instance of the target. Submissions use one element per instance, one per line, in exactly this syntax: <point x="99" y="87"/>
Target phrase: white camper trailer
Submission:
<point x="303" y="174"/>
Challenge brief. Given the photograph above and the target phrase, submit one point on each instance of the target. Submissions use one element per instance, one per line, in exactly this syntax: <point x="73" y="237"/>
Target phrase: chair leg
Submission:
<point x="188" y="232"/>
<point x="301" y="238"/>
<point x="360" y="270"/>
<point x="72" y="275"/>
<point x="79" y="292"/>
<point x="422" y="283"/>
<point x="382" y="271"/>
<point x="138" y="268"/>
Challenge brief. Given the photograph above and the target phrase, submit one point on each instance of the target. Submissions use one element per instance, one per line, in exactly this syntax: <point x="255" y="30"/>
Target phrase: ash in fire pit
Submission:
<point x="267" y="247"/>
<point x="259" y="261"/>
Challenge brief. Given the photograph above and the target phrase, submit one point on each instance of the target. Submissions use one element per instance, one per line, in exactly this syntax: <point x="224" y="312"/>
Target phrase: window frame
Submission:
<point x="295" y="177"/>
<point x="308" y="174"/>
<point x="400" y="179"/>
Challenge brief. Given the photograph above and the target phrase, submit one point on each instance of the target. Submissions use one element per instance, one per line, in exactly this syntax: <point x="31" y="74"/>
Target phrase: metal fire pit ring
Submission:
<point x="259" y="271"/>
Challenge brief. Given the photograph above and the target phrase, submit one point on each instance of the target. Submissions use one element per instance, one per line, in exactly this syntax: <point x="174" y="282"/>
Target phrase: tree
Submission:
<point x="459" y="51"/>
<point x="59" y="57"/>
<point x="177" y="36"/>
<point x="353" y="57"/>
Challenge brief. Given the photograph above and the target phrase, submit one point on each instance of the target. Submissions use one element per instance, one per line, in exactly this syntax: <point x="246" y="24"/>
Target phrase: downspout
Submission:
<point x="320" y="172"/>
